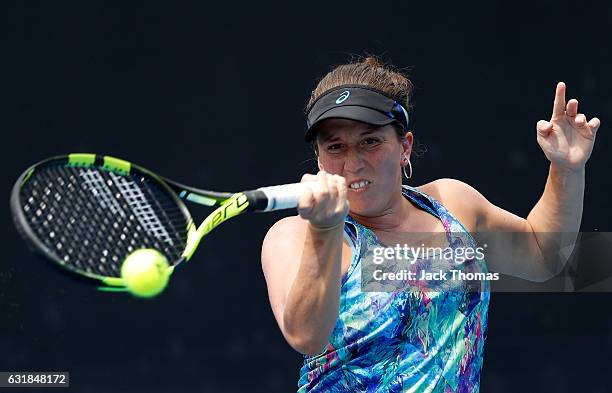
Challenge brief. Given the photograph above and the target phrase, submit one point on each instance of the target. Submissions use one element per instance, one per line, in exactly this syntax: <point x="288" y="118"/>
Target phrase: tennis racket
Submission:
<point x="86" y="213"/>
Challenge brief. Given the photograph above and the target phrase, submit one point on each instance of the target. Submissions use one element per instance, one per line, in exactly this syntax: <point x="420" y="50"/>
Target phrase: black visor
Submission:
<point x="355" y="102"/>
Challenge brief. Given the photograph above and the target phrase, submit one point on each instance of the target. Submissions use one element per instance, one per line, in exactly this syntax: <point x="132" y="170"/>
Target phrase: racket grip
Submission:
<point x="272" y="198"/>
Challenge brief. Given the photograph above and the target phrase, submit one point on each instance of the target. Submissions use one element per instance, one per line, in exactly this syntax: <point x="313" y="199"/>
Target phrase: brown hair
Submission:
<point x="369" y="72"/>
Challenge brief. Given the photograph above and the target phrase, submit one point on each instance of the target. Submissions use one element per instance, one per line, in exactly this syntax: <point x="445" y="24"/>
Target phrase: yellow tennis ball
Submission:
<point x="145" y="272"/>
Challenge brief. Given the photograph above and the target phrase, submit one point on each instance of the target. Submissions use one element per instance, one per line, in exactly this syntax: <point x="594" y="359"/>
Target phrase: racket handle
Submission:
<point x="271" y="198"/>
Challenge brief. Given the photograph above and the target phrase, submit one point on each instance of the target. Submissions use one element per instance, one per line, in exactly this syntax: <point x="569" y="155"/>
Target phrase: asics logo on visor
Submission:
<point x="343" y="97"/>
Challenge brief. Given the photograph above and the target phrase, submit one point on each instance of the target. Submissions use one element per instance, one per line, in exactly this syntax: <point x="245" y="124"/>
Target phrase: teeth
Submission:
<point x="359" y="184"/>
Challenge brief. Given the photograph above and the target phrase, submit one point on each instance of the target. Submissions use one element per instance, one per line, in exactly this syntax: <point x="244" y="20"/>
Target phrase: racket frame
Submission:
<point x="231" y="205"/>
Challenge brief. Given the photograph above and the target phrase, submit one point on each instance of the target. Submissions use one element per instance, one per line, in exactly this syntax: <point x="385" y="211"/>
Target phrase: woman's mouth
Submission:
<point x="359" y="185"/>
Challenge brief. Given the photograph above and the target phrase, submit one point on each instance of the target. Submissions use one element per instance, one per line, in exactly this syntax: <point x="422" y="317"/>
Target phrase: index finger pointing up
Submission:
<point x="559" y="105"/>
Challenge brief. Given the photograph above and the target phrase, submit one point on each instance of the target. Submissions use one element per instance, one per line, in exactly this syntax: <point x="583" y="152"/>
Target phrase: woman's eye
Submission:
<point x="369" y="141"/>
<point x="334" y="147"/>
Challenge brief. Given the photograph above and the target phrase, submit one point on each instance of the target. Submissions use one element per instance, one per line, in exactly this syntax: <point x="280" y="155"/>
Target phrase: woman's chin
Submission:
<point x="361" y="207"/>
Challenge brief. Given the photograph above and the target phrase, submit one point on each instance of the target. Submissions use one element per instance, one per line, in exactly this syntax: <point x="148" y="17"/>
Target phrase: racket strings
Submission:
<point x="91" y="219"/>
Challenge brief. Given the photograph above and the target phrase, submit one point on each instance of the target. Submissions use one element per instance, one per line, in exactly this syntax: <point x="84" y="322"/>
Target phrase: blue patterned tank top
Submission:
<point x="406" y="340"/>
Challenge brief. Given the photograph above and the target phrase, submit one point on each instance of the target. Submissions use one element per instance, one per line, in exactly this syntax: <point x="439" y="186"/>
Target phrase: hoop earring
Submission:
<point x="404" y="170"/>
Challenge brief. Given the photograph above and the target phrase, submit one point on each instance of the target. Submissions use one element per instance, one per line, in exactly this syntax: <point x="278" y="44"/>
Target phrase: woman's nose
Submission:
<point x="353" y="161"/>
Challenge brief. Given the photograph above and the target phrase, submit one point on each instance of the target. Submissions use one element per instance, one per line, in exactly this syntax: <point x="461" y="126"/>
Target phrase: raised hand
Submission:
<point x="568" y="138"/>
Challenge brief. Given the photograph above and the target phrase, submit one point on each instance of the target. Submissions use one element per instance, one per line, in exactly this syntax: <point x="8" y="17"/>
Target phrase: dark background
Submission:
<point x="212" y="95"/>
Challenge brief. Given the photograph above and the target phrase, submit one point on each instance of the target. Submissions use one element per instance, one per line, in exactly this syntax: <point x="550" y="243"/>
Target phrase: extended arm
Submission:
<point x="553" y="223"/>
<point x="567" y="141"/>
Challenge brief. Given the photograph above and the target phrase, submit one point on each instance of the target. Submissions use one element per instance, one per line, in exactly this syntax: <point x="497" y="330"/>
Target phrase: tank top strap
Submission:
<point x="353" y="232"/>
<point x="423" y="200"/>
<point x="427" y="202"/>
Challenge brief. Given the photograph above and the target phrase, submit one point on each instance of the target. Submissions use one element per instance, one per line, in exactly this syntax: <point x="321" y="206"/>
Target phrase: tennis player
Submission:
<point x="409" y="339"/>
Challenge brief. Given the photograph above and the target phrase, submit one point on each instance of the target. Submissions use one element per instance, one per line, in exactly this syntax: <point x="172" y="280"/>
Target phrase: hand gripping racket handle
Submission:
<point x="271" y="198"/>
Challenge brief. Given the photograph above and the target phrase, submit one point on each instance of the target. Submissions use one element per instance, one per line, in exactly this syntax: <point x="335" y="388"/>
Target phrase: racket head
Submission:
<point x="86" y="213"/>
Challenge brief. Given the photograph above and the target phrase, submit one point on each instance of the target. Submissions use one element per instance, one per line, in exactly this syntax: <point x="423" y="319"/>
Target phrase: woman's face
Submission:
<point x="368" y="157"/>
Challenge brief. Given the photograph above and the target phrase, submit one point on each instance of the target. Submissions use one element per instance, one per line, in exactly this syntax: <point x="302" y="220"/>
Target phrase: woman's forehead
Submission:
<point x="344" y="128"/>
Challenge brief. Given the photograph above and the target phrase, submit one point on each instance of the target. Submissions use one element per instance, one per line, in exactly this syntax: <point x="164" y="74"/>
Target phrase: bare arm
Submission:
<point x="301" y="259"/>
<point x="567" y="141"/>
<point x="553" y="223"/>
<point x="555" y="219"/>
<point x="508" y="251"/>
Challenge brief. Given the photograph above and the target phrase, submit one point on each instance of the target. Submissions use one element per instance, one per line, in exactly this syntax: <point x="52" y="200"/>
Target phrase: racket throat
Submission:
<point x="233" y="207"/>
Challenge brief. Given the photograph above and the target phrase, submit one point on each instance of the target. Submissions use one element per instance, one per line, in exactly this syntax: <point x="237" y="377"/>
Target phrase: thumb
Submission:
<point x="544" y="127"/>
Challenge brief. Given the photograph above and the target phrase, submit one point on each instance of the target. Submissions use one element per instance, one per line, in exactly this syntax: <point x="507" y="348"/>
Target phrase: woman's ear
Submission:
<point x="407" y="144"/>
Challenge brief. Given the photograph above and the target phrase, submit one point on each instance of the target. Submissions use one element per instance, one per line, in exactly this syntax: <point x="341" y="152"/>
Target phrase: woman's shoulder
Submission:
<point x="287" y="230"/>
<point x="448" y="190"/>
<point x="286" y="237"/>
<point x="462" y="200"/>
<point x="288" y="226"/>
<point x="291" y="226"/>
